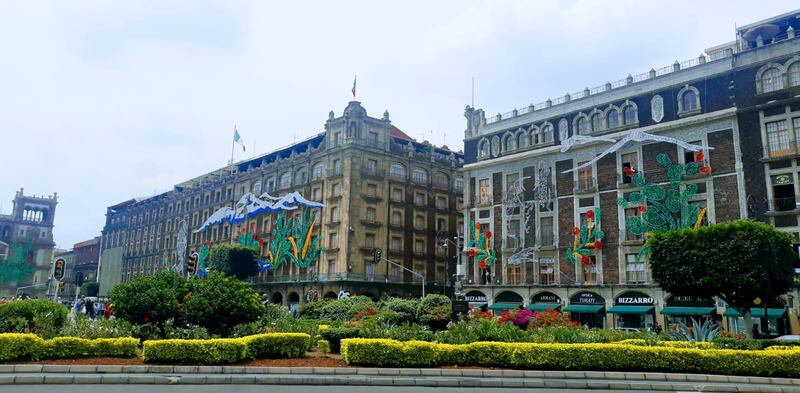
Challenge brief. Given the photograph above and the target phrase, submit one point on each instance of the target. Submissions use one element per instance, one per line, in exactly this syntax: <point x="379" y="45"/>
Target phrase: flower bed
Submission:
<point x="24" y="346"/>
<point x="606" y="357"/>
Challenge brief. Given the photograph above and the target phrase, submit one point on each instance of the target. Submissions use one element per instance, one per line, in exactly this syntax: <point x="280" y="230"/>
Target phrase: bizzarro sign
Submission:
<point x="635" y="299"/>
<point x="475" y="297"/>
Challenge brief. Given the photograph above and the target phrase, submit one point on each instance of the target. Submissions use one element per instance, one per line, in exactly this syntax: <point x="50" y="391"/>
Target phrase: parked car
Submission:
<point x="789" y="337"/>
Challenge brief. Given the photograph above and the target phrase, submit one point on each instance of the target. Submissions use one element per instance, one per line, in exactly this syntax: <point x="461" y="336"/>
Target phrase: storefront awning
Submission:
<point x="543" y="306"/>
<point x="687" y="310"/>
<point x="757" y="312"/>
<point x="630" y="309"/>
<point x="503" y="306"/>
<point x="585" y="308"/>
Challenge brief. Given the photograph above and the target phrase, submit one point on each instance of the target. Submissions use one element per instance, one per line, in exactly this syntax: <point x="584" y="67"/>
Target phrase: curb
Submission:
<point x="191" y="375"/>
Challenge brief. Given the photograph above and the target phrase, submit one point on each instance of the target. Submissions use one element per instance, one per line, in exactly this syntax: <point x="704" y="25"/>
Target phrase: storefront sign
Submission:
<point x="546" y="297"/>
<point x="689" y="301"/>
<point x="635" y="299"/>
<point x="587" y="298"/>
<point x="475" y="297"/>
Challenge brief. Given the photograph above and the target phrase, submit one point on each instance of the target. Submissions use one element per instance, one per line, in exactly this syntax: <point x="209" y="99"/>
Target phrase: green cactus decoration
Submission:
<point x="304" y="245"/>
<point x="480" y="247"/>
<point x="586" y="238"/>
<point x="279" y="245"/>
<point x="202" y="256"/>
<point x="248" y="239"/>
<point x="19" y="265"/>
<point x="664" y="208"/>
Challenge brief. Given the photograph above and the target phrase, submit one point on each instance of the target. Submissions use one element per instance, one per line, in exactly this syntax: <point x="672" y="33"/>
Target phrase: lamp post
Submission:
<point x="457" y="244"/>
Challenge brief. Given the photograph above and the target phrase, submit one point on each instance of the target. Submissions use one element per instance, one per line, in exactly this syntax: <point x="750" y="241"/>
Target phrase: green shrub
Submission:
<point x="435" y="311"/>
<point x="275" y="311"/>
<point x="324" y="346"/>
<point x="150" y="299"/>
<point x="278" y="345"/>
<point x="218" y="303"/>
<point x="215" y="351"/>
<point x="73" y="347"/>
<point x="407" y="310"/>
<point x="185" y="332"/>
<point x="21" y="346"/>
<point x="335" y="336"/>
<point x="85" y="327"/>
<point x="605" y="357"/>
<point x="409" y="333"/>
<point x="39" y="316"/>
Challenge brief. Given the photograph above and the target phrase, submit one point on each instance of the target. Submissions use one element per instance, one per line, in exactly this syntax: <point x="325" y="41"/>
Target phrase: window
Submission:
<point x="441" y="179"/>
<point x="459" y="182"/>
<point x="778" y="138"/>
<point x="396" y="273"/>
<point x="547" y="134"/>
<point x="396" y="243"/>
<point x="583" y="126"/>
<point x="372" y="190"/>
<point x="372" y="139"/>
<point x="316" y="194"/>
<point x="370" y="215"/>
<point x="546" y="271"/>
<point x="612" y="118"/>
<point x="688" y="155"/>
<point x="597" y="122"/>
<point x="333" y="240"/>
<point x="590" y="271"/>
<point x="337" y="167"/>
<point x="338" y="139"/>
<point x="286" y="180"/>
<point x="397" y="194"/>
<point x="336" y="189"/>
<point x="397" y="171"/>
<point x="369" y="270"/>
<point x="634" y="269"/>
<point x="793" y="74"/>
<point x="771" y="80"/>
<point x="441" y="203"/>
<point x="512" y="239"/>
<point x="508" y="143"/>
<point x="546" y="231"/>
<point x="689" y="101"/>
<point x="318" y="171"/>
<point x="334" y="214"/>
<point x="521" y="140"/>
<point x="629" y="160"/>
<point x="397" y="219"/>
<point x="419" y="199"/>
<point x="419" y="246"/>
<point x="419" y="269"/>
<point x="369" y="240"/>
<point x="372" y="167"/>
<point x="515" y="275"/>
<point x="483" y="149"/>
<point x="585" y="177"/>
<point x="419" y="222"/>
<point x="331" y="266"/>
<point x="483" y="192"/>
<point x="419" y="175"/>
<point x="441" y="224"/>
<point x="629" y="114"/>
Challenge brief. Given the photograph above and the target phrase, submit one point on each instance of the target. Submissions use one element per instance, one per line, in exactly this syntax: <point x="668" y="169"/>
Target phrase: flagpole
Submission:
<point x="233" y="141"/>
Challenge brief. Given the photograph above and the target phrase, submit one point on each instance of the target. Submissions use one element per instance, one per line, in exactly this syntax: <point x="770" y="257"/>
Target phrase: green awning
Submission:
<point x="757" y="312"/>
<point x="585" y="308"/>
<point x="630" y="309"/>
<point x="543" y="306"/>
<point x="687" y="310"/>
<point x="503" y="306"/>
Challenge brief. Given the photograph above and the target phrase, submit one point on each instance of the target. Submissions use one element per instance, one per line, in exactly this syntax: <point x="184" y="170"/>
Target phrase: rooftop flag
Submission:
<point x="354" y="86"/>
<point x="237" y="138"/>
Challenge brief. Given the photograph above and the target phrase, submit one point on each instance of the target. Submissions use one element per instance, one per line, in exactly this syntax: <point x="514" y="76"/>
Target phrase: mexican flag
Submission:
<point x="238" y="138"/>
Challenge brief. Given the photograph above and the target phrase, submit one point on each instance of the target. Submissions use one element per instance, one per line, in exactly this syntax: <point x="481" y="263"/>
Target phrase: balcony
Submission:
<point x="335" y="172"/>
<point x="372" y="173"/>
<point x="787" y="204"/>
<point x="441" y="185"/>
<point x="371" y="223"/>
<point x="583" y="186"/>
<point x="372" y="198"/>
<point x="784" y="150"/>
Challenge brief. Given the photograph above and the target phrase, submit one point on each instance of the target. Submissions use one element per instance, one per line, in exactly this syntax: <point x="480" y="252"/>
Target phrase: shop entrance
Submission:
<point x="587" y="309"/>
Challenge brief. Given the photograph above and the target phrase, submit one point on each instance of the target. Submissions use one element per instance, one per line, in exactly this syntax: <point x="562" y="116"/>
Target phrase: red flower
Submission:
<point x="482" y="264"/>
<point x="598" y="245"/>
<point x="260" y="242"/>
<point x="628" y="171"/>
<point x="472" y="252"/>
<point x="705" y="169"/>
<point x="642" y="208"/>
<point x="699" y="156"/>
<point x="146" y="318"/>
<point x="585" y="260"/>
<point x="488" y="234"/>
<point x="576" y="231"/>
<point x="254" y="236"/>
<point x="590" y="214"/>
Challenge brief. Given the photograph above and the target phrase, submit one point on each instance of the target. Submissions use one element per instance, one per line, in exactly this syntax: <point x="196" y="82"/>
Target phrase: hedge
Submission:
<point x="226" y="350"/>
<point x="18" y="346"/>
<point x="603" y="357"/>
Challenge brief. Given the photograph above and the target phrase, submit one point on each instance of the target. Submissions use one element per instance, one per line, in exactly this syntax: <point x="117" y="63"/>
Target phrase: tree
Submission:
<point x="739" y="262"/>
<point x="90" y="289"/>
<point x="219" y="302"/>
<point x="150" y="299"/>
<point x="234" y="260"/>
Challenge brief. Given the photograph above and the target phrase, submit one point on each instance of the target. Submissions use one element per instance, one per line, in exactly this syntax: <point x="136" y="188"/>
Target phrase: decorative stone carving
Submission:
<point x="657" y="108"/>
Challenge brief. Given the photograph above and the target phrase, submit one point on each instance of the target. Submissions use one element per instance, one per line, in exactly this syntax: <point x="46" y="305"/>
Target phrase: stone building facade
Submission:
<point x="381" y="189"/>
<point x="29" y="227"/>
<point x="739" y="99"/>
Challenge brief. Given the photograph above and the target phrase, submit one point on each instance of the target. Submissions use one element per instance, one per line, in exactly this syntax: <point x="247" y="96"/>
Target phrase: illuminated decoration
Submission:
<point x="201" y="254"/>
<point x="250" y="205"/>
<point x="183" y="238"/>
<point x="567" y="144"/>
<point x="633" y="136"/>
<point x="587" y="238"/>
<point x="20" y="264"/>
<point x="248" y="239"/>
<point x="542" y="198"/>
<point x="293" y="241"/>
<point x="480" y="247"/>
<point x="665" y="208"/>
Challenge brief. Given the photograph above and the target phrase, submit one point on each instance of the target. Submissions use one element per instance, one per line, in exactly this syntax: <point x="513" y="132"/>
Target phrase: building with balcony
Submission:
<point x="527" y="182"/>
<point x="381" y="189"/>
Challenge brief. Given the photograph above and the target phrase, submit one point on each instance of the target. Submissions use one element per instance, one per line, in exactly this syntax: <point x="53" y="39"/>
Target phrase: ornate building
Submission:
<point x="26" y="244"/>
<point x="381" y="189"/>
<point x="722" y="129"/>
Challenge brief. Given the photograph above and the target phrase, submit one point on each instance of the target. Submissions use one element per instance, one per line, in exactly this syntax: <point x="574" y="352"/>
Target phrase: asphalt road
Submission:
<point x="267" y="389"/>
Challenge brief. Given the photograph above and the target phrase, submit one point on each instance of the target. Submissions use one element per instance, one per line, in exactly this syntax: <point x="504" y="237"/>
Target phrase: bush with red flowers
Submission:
<point x="551" y="318"/>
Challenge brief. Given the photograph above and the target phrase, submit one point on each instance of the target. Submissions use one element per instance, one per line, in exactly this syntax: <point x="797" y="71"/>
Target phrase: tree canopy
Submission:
<point x="234" y="260"/>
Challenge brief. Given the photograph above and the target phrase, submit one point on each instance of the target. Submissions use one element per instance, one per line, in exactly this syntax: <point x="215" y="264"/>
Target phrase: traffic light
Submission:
<point x="376" y="255"/>
<point x="191" y="266"/>
<point x="58" y="270"/>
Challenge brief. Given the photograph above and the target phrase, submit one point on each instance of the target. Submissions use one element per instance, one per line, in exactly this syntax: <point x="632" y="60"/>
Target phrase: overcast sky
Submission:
<point x="102" y="101"/>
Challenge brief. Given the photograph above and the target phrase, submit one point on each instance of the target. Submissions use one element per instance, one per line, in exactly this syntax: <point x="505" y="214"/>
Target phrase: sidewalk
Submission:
<point x="192" y="375"/>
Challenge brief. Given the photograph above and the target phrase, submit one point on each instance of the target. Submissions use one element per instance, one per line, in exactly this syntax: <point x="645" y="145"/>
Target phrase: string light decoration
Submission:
<point x="665" y="208"/>
<point x="587" y="238"/>
<point x="480" y="247"/>
<point x="19" y="265"/>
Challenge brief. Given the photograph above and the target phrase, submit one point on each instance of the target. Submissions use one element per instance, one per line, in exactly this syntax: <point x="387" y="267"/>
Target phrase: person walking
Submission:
<point x="107" y="312"/>
<point x="89" y="305"/>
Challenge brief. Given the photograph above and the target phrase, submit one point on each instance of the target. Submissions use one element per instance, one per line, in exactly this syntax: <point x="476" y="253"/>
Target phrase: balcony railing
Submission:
<point x="783" y="204"/>
<point x="372" y="173"/>
<point x="334" y="172"/>
<point x="397" y="176"/>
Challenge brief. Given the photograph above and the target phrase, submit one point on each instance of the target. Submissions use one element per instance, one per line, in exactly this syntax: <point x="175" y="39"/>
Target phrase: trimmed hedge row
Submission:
<point x="226" y="350"/>
<point x="25" y="346"/>
<point x="669" y="344"/>
<point x="604" y="357"/>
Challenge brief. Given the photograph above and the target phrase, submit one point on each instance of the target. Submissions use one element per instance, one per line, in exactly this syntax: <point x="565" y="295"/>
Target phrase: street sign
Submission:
<point x="58" y="270"/>
<point x="376" y="255"/>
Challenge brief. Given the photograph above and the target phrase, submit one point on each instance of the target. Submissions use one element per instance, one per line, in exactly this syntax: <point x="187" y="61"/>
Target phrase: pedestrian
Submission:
<point x="89" y="305"/>
<point x="756" y="333"/>
<point x="107" y="311"/>
<point x="656" y="328"/>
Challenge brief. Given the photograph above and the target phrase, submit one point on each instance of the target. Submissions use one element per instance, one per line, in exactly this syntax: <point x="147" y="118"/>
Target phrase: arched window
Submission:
<point x="547" y="134"/>
<point x="508" y="142"/>
<point x="534" y="138"/>
<point x="318" y="171"/>
<point x="597" y="122"/>
<point x="483" y="149"/>
<point x="689" y="100"/>
<point x="419" y="175"/>
<point x="629" y="114"/>
<point x="771" y="80"/>
<point x="563" y="129"/>
<point x="521" y="140"/>
<point x="301" y="177"/>
<point x="583" y="126"/>
<point x="793" y="74"/>
<point x="286" y="180"/>
<point x="441" y="179"/>
<point x="256" y="188"/>
<point x="612" y="119"/>
<point x="398" y="171"/>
